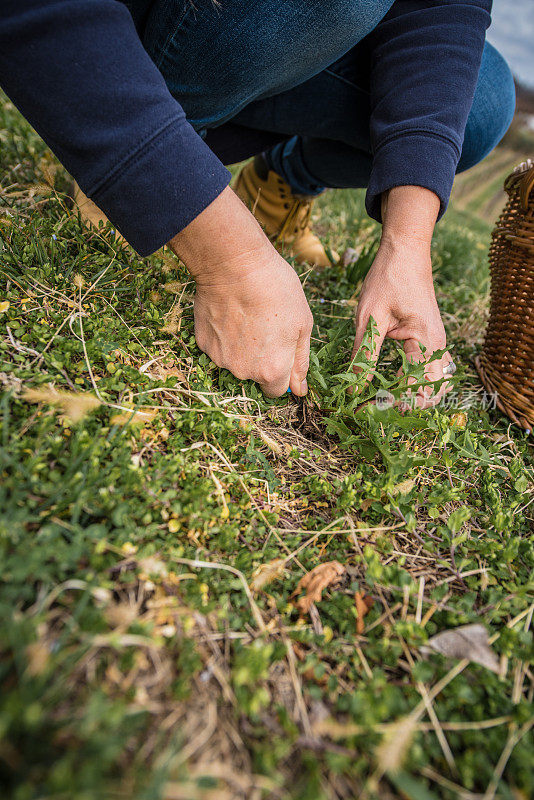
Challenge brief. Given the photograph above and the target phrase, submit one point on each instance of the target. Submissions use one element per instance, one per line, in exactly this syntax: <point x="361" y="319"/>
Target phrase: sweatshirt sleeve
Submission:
<point x="77" y="71"/>
<point x="425" y="59"/>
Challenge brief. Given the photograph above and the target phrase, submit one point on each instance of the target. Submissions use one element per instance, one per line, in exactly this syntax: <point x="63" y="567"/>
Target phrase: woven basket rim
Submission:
<point x="524" y="174"/>
<point x="508" y="341"/>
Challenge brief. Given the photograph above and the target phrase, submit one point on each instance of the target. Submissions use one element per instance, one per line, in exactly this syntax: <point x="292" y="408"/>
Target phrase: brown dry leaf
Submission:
<point x="363" y="605"/>
<point x="138" y="417"/>
<point x="75" y="406"/>
<point x="267" y="573"/>
<point x="315" y="581"/>
<point x="395" y="744"/>
<point x="468" y="641"/>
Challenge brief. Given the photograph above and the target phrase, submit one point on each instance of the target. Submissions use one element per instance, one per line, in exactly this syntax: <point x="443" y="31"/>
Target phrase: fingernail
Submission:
<point x="304" y="386"/>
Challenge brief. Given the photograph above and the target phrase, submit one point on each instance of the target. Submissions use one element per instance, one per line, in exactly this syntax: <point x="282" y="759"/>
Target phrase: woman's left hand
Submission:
<point x="398" y="293"/>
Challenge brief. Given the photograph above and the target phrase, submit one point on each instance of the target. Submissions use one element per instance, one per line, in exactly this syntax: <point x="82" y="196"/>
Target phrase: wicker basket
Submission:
<point x="506" y="363"/>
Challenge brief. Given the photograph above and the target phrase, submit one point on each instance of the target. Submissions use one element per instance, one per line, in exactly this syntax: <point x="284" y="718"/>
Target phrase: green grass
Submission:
<point x="130" y="670"/>
<point x="479" y="192"/>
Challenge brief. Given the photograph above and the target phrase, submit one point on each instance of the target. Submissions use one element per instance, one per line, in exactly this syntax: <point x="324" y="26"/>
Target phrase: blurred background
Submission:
<point x="479" y="191"/>
<point x="512" y="32"/>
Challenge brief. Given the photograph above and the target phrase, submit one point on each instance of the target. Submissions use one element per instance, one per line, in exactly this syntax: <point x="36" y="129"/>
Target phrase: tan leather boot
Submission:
<point x="284" y="216"/>
<point x="90" y="213"/>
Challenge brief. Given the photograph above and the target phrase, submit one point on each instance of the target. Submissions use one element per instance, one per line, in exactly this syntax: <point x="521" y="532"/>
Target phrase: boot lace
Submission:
<point x="298" y="217"/>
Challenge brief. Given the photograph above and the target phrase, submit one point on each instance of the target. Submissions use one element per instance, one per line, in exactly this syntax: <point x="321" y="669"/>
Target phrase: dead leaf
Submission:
<point x="363" y="605"/>
<point x="267" y="573"/>
<point x="75" y="406"/>
<point x="315" y="581"/>
<point x="468" y="641"/>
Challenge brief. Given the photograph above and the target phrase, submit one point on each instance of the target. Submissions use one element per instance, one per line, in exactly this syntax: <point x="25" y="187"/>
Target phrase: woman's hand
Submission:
<point x="251" y="315"/>
<point x="398" y="291"/>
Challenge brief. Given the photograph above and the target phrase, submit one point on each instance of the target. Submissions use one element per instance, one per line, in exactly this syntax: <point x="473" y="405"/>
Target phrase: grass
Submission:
<point x="157" y="519"/>
<point x="479" y="191"/>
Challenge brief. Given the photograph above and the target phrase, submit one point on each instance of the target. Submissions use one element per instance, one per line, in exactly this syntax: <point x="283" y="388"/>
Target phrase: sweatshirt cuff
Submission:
<point x="412" y="159"/>
<point x="161" y="187"/>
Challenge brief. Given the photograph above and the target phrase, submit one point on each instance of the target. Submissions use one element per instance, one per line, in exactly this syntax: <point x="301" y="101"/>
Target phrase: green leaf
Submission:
<point x="458" y="518"/>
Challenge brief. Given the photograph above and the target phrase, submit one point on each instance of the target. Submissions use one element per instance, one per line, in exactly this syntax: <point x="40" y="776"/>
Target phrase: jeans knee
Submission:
<point x="492" y="110"/>
<point x="281" y="45"/>
<point x="218" y="58"/>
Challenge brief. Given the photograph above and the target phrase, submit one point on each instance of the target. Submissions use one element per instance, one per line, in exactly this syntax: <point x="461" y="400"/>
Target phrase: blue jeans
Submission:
<point x="290" y="77"/>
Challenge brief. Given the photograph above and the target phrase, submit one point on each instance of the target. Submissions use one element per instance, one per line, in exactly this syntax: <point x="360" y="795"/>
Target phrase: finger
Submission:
<point x="275" y="388"/>
<point x="413" y="351"/>
<point x="274" y="380"/>
<point x="297" y="381"/>
<point x="427" y="396"/>
<point x="435" y="372"/>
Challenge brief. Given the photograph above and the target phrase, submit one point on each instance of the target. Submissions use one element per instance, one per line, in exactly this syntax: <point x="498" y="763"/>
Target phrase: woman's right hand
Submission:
<point x="251" y="315"/>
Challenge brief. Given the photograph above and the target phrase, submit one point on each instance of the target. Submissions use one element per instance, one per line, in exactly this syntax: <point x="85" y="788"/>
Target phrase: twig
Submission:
<point x="227" y="568"/>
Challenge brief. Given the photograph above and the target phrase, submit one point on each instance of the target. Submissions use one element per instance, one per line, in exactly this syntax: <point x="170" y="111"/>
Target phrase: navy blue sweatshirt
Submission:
<point x="77" y="70"/>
